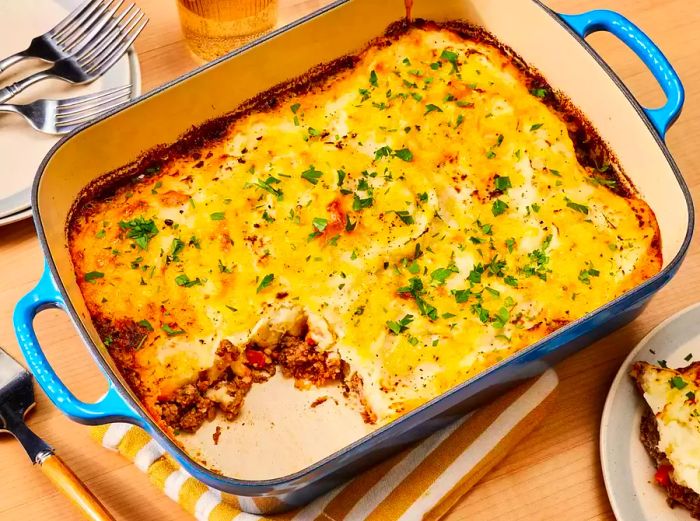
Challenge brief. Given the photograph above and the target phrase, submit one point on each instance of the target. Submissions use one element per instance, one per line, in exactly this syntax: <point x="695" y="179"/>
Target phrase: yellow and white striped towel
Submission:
<point x="422" y="482"/>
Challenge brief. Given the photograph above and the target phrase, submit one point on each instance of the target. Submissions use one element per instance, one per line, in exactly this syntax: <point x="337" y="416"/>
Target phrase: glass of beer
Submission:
<point x="214" y="27"/>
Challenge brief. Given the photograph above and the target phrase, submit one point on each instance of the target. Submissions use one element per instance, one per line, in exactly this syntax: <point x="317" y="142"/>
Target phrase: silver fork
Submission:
<point x="63" y="116"/>
<point x="83" y="23"/>
<point x="93" y="57"/>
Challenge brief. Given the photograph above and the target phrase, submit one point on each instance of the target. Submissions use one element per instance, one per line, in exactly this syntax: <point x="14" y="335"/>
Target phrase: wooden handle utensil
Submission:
<point x="16" y="398"/>
<point x="70" y="486"/>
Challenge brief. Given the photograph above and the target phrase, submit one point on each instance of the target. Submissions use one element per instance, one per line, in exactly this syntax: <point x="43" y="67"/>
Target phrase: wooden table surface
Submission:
<point x="554" y="473"/>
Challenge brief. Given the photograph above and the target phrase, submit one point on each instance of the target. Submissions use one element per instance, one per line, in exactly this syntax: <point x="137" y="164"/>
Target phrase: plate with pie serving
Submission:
<point x="650" y="429"/>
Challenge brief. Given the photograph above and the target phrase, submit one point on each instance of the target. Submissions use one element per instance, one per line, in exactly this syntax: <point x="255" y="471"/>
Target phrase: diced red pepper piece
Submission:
<point x="255" y="358"/>
<point x="662" y="476"/>
<point x="338" y="219"/>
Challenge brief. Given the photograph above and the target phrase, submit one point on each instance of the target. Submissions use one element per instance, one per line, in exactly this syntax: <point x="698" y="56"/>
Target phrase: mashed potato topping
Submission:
<point x="411" y="220"/>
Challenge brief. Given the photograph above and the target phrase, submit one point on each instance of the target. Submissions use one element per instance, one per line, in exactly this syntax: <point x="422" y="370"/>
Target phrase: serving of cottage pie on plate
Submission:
<point x="649" y="429"/>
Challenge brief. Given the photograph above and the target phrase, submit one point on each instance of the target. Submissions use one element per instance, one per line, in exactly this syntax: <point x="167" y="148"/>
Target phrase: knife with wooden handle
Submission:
<point x="16" y="399"/>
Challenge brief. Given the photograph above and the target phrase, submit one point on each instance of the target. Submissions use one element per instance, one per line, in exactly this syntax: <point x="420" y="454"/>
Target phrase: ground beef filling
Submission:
<point x="223" y="387"/>
<point x="677" y="494"/>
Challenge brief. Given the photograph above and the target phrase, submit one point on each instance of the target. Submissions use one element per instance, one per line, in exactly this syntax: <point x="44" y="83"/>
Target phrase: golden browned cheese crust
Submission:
<point x="400" y="221"/>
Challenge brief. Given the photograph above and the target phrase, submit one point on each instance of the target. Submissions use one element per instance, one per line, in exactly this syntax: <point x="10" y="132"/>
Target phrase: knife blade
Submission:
<point x="16" y="399"/>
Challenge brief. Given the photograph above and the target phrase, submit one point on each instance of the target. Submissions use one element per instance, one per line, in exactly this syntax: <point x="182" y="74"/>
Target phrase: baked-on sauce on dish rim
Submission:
<point x="393" y="222"/>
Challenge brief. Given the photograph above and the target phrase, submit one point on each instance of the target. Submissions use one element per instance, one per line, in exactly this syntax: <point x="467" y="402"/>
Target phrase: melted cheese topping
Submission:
<point x="672" y="395"/>
<point x="425" y="211"/>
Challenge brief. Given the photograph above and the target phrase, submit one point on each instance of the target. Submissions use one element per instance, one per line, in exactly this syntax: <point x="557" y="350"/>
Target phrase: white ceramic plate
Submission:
<point x="627" y="469"/>
<point x="21" y="147"/>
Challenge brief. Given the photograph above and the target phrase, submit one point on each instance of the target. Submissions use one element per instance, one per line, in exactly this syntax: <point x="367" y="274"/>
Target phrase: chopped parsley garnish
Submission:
<point x="146" y="324"/>
<point x="460" y="120"/>
<point x="265" y="282"/>
<point x="451" y="57"/>
<point x="373" y="79"/>
<point x="386" y="151"/>
<point x="381" y="152"/>
<point x="490" y="154"/>
<point x="359" y="203"/>
<point x="92" y="276"/>
<point x="498" y="207"/>
<point x="539" y="261"/>
<point x="399" y="326"/>
<point x="690" y="395"/>
<point x="540" y="93"/>
<point x="223" y="268"/>
<point x="416" y="290"/>
<point x="312" y="175"/>
<point x="502" y="183"/>
<point x="404" y="154"/>
<point x="431" y="108"/>
<point x="349" y="225"/>
<point x="170" y="331"/>
<point x="599" y="180"/>
<point x="319" y="224"/>
<point x="175" y="249"/>
<point x="510" y="244"/>
<point x="218" y="216"/>
<point x="678" y="383"/>
<point x="582" y="208"/>
<point x="100" y="234"/>
<point x="405" y="217"/>
<point x="141" y="230"/>
<point x="501" y="318"/>
<point x="295" y="108"/>
<point x="441" y="275"/>
<point x="536" y="126"/>
<point x="585" y="275"/>
<point x="341" y="177"/>
<point x="481" y="312"/>
<point x="496" y="267"/>
<point x="184" y="281"/>
<point x="475" y="274"/>
<point x="688" y="357"/>
<point x="511" y="281"/>
<point x="461" y="295"/>
<point x="267" y="186"/>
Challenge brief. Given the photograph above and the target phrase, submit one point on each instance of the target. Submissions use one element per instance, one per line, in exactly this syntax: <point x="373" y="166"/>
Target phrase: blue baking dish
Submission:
<point x="551" y="42"/>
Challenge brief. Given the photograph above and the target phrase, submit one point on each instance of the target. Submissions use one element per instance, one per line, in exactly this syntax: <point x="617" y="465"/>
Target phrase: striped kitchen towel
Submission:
<point x="422" y="482"/>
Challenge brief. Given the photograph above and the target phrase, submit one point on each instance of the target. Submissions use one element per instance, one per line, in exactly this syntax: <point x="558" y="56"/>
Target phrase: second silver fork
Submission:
<point x="93" y="58"/>
<point x="63" y="116"/>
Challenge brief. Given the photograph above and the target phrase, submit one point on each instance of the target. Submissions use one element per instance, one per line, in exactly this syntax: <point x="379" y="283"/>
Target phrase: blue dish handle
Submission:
<point x="110" y="408"/>
<point x="603" y="20"/>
